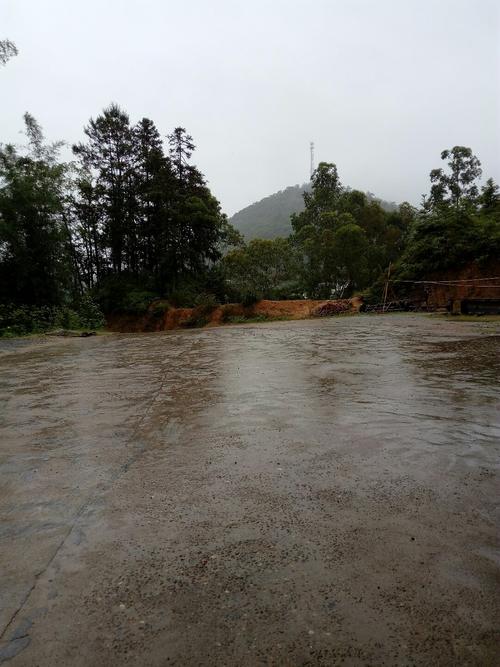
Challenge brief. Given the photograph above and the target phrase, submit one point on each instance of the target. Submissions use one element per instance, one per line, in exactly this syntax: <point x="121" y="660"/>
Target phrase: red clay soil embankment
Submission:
<point x="179" y="318"/>
<point x="470" y="282"/>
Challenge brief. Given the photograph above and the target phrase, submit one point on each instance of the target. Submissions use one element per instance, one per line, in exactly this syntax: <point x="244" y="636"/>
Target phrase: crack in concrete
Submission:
<point x="123" y="468"/>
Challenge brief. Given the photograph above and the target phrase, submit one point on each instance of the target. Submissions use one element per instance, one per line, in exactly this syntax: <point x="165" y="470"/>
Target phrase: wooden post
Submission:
<point x="386" y="287"/>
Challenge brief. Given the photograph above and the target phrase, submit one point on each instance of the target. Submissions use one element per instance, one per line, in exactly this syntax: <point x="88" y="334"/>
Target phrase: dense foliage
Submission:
<point x="458" y="223"/>
<point x="126" y="217"/>
<point x="270" y="217"/>
<point x="132" y="223"/>
<point x="141" y="212"/>
<point x="344" y="239"/>
<point x="34" y="259"/>
<point x="19" y="320"/>
<point x="264" y="268"/>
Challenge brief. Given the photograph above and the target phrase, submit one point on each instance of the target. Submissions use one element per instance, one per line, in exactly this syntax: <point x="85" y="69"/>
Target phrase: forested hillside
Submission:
<point x="269" y="218"/>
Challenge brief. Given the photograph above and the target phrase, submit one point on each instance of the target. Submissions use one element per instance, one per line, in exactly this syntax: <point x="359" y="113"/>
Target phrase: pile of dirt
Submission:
<point x="333" y="308"/>
<point x="293" y="309"/>
<point x="202" y="316"/>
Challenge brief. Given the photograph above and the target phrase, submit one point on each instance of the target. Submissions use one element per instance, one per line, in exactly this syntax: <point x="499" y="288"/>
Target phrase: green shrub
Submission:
<point x="66" y="318"/>
<point x="89" y="313"/>
<point x="249" y="299"/>
<point x="196" y="320"/>
<point x="159" y="308"/>
<point x="183" y="297"/>
<point x="21" y="320"/>
<point x="123" y="294"/>
<point x="206" y="303"/>
<point x="289" y="289"/>
<point x="136" y="302"/>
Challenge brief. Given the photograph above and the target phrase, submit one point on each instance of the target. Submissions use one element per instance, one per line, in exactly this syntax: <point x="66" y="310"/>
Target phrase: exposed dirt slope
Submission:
<point x="176" y="318"/>
<point x="479" y="282"/>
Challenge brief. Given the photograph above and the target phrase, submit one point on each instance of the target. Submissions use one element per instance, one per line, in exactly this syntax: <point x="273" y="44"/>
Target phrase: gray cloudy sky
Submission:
<point x="381" y="86"/>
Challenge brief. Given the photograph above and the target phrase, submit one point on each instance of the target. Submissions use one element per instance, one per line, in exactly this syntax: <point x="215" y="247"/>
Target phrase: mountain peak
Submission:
<point x="270" y="217"/>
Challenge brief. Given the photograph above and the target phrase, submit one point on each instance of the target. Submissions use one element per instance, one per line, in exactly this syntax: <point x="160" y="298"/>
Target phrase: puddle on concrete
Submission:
<point x="290" y="493"/>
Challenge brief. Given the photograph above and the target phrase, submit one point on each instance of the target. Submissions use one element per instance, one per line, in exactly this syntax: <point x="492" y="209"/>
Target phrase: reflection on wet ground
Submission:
<point x="315" y="492"/>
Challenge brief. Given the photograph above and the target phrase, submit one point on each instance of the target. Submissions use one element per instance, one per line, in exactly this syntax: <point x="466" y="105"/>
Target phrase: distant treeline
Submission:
<point x="343" y="241"/>
<point x="131" y="219"/>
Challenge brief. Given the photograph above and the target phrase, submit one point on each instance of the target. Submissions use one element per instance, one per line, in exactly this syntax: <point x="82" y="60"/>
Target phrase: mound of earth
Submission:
<point x="203" y="316"/>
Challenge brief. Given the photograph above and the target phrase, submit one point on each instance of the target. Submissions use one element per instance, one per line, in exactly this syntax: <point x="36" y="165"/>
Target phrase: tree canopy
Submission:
<point x="124" y="210"/>
<point x="132" y="219"/>
<point x="344" y="239"/>
<point x="458" y="223"/>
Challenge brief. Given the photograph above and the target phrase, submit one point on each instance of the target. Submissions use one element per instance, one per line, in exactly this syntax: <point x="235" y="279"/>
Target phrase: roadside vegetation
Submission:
<point x="457" y="223"/>
<point x="130" y="226"/>
<point x="22" y="320"/>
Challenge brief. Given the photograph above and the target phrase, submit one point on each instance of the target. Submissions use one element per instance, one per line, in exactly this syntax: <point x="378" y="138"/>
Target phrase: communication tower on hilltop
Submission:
<point x="312" y="157"/>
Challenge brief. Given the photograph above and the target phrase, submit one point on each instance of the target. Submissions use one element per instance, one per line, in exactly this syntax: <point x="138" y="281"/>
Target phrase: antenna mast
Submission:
<point x="312" y="157"/>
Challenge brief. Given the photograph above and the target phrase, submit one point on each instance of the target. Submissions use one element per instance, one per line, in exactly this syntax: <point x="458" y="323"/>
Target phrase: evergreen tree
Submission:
<point x="140" y="212"/>
<point x="86" y="224"/>
<point x="108" y="156"/>
<point x="154" y="183"/>
<point x="198" y="221"/>
<point x="35" y="265"/>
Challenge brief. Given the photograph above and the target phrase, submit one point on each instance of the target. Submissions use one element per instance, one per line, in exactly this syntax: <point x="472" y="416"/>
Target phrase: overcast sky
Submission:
<point x="380" y="86"/>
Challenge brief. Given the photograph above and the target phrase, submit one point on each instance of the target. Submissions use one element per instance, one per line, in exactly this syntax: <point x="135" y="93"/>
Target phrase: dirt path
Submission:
<point x="296" y="493"/>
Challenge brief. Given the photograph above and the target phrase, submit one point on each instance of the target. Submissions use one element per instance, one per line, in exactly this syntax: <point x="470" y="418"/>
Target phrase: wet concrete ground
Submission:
<point x="293" y="493"/>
